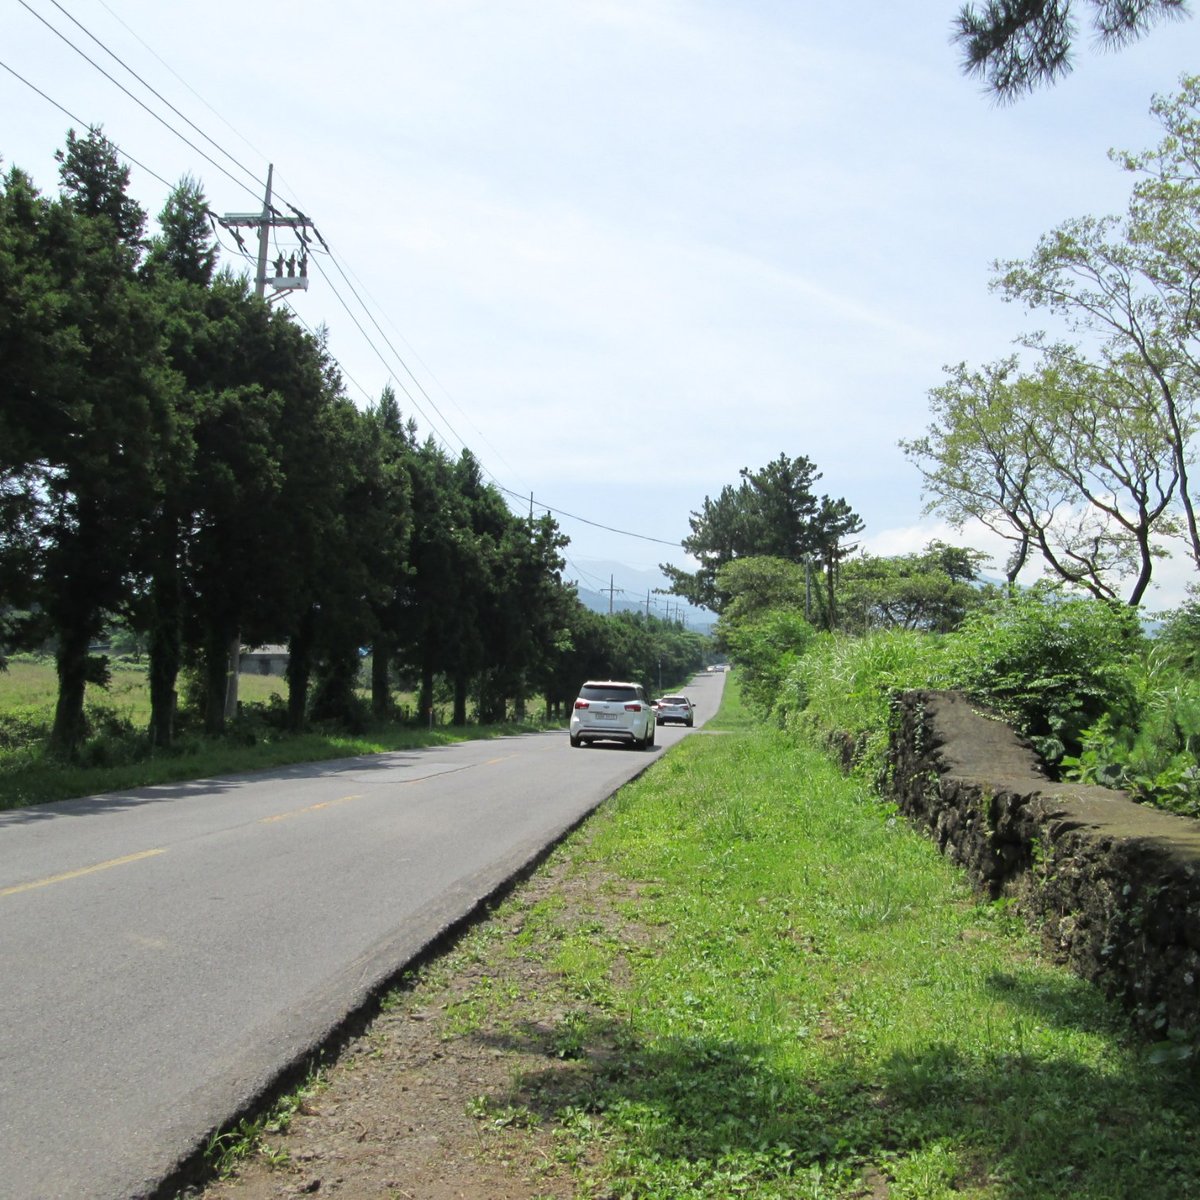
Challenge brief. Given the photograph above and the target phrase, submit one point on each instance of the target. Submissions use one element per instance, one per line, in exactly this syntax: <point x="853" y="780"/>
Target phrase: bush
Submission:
<point x="1154" y="758"/>
<point x="23" y="728"/>
<point x="764" y="648"/>
<point x="112" y="740"/>
<point x="1051" y="665"/>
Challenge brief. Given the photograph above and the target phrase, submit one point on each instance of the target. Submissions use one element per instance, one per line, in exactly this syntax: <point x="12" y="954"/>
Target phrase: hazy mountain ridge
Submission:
<point x="631" y="588"/>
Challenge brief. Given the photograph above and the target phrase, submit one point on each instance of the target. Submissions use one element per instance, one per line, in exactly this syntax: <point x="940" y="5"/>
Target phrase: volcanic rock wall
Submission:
<point x="1114" y="885"/>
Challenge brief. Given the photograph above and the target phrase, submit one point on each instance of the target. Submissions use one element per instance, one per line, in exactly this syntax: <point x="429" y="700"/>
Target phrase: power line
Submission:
<point x="428" y="370"/>
<point x="81" y="121"/>
<point x="149" y="87"/>
<point x="334" y="259"/>
<point x="162" y="121"/>
<point x="159" y="58"/>
<point x="596" y="524"/>
<point x="366" y="337"/>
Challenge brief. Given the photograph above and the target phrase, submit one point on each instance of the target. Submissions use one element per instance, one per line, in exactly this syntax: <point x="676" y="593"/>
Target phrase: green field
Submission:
<point x="117" y="755"/>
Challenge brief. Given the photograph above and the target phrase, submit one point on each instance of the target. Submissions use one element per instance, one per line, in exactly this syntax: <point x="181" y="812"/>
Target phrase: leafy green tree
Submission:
<point x="185" y="247"/>
<point x="96" y="184"/>
<point x="33" y="349"/>
<point x="932" y="590"/>
<point x="343" y="574"/>
<point x="531" y="604"/>
<point x="311" y="585"/>
<point x="98" y="379"/>
<point x="1179" y="635"/>
<point x="394" y="442"/>
<point x="1131" y="284"/>
<point x="764" y="627"/>
<point x="229" y="508"/>
<point x="443" y="559"/>
<point x="773" y="512"/>
<point x="1015" y="45"/>
<point x="1070" y="461"/>
<point x="758" y="583"/>
<point x="179" y="271"/>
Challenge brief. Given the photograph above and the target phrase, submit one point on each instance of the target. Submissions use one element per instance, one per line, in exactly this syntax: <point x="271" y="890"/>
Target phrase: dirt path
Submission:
<point x="448" y="1095"/>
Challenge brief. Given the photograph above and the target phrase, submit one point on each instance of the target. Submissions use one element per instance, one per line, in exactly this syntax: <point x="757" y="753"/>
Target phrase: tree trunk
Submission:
<point x="72" y="662"/>
<point x="164" y="671"/>
<point x="460" y="699"/>
<point x="425" y="700"/>
<point x="381" y="692"/>
<point x="216" y="680"/>
<point x="299" y="669"/>
<point x="165" y="645"/>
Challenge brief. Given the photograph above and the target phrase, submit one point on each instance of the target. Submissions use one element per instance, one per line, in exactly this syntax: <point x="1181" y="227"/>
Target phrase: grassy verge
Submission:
<point x="782" y="991"/>
<point x="122" y="758"/>
<point x="39" y="780"/>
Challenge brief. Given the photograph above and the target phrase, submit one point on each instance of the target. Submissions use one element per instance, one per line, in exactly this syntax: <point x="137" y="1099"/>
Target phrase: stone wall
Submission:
<point x="1114" y="885"/>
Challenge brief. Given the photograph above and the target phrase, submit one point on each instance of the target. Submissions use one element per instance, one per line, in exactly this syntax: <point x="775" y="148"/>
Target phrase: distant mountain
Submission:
<point x="631" y="588"/>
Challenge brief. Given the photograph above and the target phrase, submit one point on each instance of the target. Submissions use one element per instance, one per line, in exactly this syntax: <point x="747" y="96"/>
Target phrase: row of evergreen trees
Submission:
<point x="176" y="453"/>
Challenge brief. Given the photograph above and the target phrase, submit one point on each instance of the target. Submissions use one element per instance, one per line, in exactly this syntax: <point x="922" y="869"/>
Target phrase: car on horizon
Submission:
<point x="675" y="708"/>
<point x="613" y="710"/>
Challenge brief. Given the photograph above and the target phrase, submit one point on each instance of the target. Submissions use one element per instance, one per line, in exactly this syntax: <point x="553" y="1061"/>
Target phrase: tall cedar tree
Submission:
<point x="105" y="474"/>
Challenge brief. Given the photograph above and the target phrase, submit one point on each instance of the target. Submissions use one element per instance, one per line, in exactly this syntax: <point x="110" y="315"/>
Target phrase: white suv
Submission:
<point x="613" y="711"/>
<point x="676" y="708"/>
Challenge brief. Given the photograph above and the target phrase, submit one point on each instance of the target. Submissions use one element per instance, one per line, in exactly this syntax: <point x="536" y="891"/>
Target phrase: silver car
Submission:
<point x="612" y="711"/>
<point x="676" y="708"/>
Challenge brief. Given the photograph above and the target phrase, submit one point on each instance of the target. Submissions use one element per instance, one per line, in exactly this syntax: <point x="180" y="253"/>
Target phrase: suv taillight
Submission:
<point x="633" y="708"/>
<point x="581" y="704"/>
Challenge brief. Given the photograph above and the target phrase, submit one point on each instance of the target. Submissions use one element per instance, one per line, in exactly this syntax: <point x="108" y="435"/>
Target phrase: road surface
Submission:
<point x="165" y="953"/>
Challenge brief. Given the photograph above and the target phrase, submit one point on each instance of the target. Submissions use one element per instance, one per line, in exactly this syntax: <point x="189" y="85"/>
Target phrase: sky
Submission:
<point x="620" y="249"/>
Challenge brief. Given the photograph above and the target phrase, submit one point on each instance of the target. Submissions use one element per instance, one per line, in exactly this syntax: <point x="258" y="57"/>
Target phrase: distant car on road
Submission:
<point x="675" y="708"/>
<point x="613" y="711"/>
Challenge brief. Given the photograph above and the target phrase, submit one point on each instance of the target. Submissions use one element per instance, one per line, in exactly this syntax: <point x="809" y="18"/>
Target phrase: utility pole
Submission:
<point x="285" y="279"/>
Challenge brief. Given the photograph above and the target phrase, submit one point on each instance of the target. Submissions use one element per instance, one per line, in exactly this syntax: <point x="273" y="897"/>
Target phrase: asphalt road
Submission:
<point x="166" y="952"/>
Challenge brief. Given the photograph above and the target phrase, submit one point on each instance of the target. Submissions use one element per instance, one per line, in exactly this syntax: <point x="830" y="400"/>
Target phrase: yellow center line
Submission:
<point x="112" y="862"/>
<point x="297" y="812"/>
<point x="502" y="758"/>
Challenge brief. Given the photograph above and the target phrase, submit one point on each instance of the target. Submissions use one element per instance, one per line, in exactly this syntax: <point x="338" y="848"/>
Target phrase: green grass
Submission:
<point x="812" y="1004"/>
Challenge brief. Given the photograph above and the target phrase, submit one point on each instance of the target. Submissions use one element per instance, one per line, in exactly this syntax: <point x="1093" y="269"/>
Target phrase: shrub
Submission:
<point x="1154" y="759"/>
<point x="1050" y="664"/>
<point x="764" y="648"/>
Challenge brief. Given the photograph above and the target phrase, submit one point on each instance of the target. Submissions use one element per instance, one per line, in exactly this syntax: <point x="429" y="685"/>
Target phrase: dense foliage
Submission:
<point x="179" y="457"/>
<point x="1101" y="700"/>
<point x="772" y="513"/>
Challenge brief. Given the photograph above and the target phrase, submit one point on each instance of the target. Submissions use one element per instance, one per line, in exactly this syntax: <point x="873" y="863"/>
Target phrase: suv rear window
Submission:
<point x="617" y="693"/>
<point x="674" y="700"/>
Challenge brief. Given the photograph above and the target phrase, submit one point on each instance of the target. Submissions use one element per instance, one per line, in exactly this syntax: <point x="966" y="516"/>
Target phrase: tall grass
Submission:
<point x="844" y="685"/>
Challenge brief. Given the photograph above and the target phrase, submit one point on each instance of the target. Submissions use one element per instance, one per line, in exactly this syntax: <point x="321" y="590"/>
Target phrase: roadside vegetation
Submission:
<point x="745" y="978"/>
<point x="180" y="460"/>
<point x="1100" y="699"/>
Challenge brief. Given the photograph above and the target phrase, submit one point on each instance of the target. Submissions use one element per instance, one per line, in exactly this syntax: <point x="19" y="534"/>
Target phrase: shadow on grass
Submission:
<point x="685" y="1112"/>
